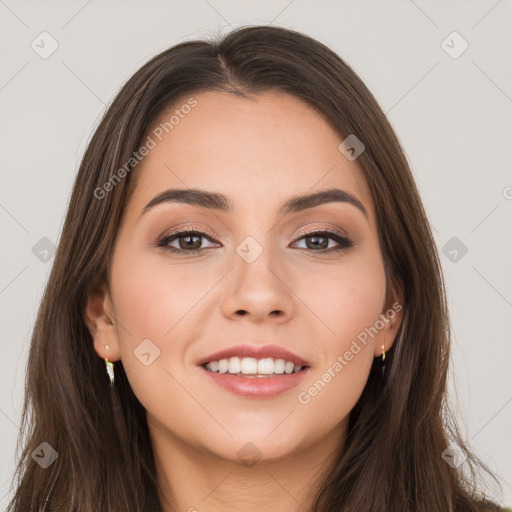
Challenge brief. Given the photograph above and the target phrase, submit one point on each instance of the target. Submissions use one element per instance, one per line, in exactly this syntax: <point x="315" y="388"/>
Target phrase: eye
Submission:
<point x="320" y="240"/>
<point x="190" y="241"/>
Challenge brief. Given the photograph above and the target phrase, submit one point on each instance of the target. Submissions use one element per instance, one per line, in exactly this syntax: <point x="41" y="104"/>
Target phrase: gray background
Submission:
<point x="452" y="116"/>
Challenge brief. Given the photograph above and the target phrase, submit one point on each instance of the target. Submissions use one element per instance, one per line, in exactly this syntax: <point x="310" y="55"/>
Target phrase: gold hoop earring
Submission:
<point x="382" y="364"/>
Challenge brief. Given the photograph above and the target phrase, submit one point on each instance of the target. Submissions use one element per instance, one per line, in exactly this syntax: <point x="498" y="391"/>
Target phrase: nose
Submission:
<point x="261" y="291"/>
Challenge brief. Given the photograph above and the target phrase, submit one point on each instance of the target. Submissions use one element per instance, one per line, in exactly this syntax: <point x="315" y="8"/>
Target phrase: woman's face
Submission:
<point x="259" y="277"/>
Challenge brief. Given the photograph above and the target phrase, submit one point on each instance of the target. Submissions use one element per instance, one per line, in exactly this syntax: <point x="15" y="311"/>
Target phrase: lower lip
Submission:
<point x="257" y="387"/>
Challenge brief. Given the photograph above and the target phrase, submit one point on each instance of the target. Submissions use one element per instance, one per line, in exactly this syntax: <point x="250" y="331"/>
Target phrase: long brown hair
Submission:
<point x="401" y="426"/>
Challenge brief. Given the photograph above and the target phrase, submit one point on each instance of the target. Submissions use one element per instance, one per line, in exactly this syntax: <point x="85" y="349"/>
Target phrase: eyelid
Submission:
<point x="327" y="229"/>
<point x="186" y="229"/>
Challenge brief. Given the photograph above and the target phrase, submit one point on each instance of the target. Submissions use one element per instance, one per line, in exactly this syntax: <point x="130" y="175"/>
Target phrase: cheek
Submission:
<point x="152" y="297"/>
<point x="351" y="305"/>
<point x="347" y="300"/>
<point x="156" y="304"/>
<point x="334" y="389"/>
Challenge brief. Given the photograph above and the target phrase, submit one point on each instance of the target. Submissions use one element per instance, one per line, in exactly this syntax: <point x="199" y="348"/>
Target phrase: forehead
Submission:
<point x="258" y="151"/>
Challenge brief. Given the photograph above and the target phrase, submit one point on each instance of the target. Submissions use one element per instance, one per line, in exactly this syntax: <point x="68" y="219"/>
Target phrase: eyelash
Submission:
<point x="343" y="241"/>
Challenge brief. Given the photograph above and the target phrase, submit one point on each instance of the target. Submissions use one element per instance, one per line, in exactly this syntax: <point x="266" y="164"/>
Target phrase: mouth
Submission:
<point x="250" y="367"/>
<point x="255" y="372"/>
<point x="252" y="378"/>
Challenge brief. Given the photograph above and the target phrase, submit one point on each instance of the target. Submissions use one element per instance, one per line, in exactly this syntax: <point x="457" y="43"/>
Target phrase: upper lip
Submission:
<point x="256" y="351"/>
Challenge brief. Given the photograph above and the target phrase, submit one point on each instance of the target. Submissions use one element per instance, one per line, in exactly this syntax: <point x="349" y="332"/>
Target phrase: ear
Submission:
<point x="99" y="316"/>
<point x="391" y="317"/>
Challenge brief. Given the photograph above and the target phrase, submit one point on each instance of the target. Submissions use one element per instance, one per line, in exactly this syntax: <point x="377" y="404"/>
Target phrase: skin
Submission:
<point x="259" y="152"/>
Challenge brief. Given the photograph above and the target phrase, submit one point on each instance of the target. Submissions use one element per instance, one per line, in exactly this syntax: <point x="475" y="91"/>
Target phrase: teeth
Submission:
<point x="279" y="365"/>
<point x="266" y="366"/>
<point x="249" y="365"/>
<point x="252" y="366"/>
<point x="235" y="365"/>
<point x="223" y="366"/>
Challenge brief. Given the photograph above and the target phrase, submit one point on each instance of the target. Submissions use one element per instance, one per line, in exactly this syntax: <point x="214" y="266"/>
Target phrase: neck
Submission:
<point x="192" y="479"/>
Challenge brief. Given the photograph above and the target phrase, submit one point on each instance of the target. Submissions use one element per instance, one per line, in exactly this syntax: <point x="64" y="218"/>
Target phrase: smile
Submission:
<point x="252" y="384"/>
<point x="252" y="367"/>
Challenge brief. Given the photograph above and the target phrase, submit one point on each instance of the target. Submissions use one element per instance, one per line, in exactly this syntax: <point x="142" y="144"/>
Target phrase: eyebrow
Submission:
<point x="220" y="202"/>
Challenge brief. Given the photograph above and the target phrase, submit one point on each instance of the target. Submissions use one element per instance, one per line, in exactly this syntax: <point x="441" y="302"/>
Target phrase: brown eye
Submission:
<point x="318" y="241"/>
<point x="191" y="242"/>
<point x="188" y="242"/>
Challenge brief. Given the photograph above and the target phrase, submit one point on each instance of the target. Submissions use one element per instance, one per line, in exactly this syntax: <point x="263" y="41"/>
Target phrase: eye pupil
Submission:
<point x="315" y="244"/>
<point x="187" y="244"/>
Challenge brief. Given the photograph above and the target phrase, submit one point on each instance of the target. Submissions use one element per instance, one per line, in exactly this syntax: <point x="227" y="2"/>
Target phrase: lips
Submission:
<point x="256" y="388"/>
<point x="253" y="381"/>
<point x="255" y="351"/>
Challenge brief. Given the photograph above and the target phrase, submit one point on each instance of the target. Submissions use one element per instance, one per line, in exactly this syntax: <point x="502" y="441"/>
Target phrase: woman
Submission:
<point x="246" y="254"/>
